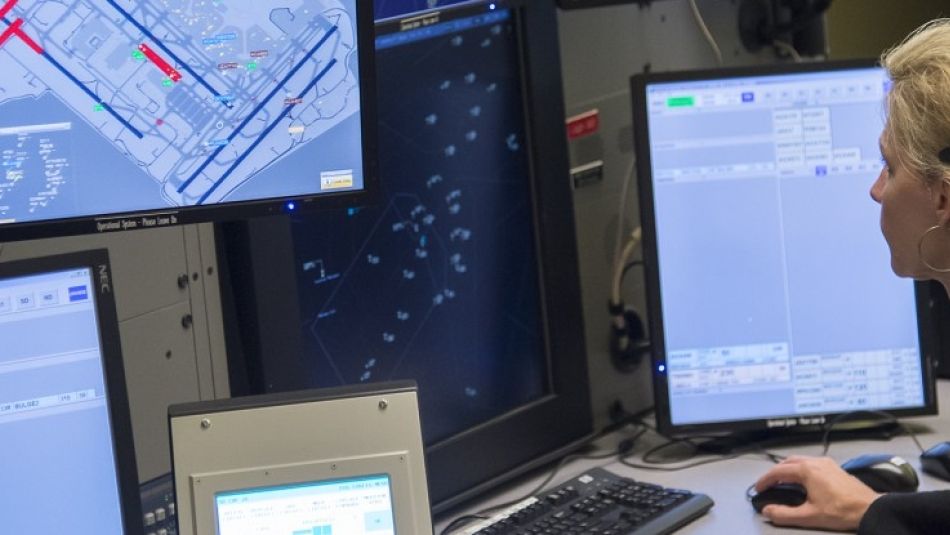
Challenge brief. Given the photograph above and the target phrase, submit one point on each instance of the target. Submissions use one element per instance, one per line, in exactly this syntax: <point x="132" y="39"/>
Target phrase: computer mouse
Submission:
<point x="936" y="461"/>
<point x="791" y="494"/>
<point x="883" y="472"/>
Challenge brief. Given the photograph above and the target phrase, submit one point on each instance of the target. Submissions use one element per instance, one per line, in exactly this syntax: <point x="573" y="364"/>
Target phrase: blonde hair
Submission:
<point x="918" y="104"/>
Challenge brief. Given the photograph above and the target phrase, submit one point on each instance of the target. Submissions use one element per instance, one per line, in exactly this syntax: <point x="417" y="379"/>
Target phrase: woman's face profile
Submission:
<point x="907" y="211"/>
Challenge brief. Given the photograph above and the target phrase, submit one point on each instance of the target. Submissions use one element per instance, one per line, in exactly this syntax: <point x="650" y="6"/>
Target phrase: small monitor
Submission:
<point x="296" y="463"/>
<point x="65" y="431"/>
<point x="122" y="115"/>
<point x="772" y="303"/>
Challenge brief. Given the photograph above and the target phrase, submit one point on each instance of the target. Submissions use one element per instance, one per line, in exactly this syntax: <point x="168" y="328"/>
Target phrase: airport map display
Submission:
<point x="112" y="105"/>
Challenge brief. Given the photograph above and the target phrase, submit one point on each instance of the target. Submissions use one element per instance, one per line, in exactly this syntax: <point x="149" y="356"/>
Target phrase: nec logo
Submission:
<point x="105" y="284"/>
<point x="78" y="293"/>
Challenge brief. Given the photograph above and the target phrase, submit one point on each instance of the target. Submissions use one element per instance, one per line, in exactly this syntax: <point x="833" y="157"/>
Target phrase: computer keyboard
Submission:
<point x="598" y="502"/>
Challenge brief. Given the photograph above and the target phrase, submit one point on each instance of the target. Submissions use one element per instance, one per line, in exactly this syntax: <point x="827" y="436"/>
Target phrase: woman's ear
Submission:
<point x="941" y="198"/>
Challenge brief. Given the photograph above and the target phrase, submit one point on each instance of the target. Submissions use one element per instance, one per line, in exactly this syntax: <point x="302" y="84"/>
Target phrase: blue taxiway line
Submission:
<point x="165" y="49"/>
<point x="184" y="185"/>
<point x="89" y="92"/>
<point x="264" y="134"/>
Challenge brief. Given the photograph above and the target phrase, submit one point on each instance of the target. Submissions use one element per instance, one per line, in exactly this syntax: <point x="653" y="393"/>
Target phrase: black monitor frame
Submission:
<point x="164" y="216"/>
<point x="260" y="260"/>
<point x="794" y="424"/>
<point x="97" y="261"/>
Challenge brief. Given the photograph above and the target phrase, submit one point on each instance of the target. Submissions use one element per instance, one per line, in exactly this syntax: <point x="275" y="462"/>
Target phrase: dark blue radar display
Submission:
<point x="438" y="283"/>
<point x="393" y="8"/>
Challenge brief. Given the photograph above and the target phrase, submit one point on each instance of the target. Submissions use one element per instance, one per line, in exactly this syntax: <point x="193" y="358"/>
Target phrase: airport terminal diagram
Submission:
<point x="200" y="97"/>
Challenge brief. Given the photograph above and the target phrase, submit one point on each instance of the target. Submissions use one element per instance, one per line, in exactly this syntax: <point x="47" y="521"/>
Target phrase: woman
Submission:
<point x="913" y="190"/>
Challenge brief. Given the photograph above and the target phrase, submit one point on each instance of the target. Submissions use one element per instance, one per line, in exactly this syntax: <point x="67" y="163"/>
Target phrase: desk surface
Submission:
<point x="726" y="481"/>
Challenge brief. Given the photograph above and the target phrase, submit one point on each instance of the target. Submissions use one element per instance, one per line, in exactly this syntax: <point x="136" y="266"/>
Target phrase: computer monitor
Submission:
<point x="121" y="115"/>
<point x="772" y="304"/>
<point x="464" y="278"/>
<point x="295" y="463"/>
<point x="65" y="431"/>
<point x="386" y="9"/>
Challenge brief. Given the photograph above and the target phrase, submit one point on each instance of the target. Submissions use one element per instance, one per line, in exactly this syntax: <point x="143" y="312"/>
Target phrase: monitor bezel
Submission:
<point x="234" y="210"/>
<point x="123" y="446"/>
<point x="803" y="422"/>
<point x="547" y="428"/>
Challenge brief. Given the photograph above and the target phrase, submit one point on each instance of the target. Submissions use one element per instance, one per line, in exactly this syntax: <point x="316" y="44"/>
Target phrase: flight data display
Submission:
<point x="359" y="506"/>
<point x="439" y="283"/>
<point x="777" y="294"/>
<point x="114" y="106"/>
<point x="54" y="413"/>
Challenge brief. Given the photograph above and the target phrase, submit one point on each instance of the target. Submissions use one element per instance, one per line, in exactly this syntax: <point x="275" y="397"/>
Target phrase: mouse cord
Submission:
<point x="886" y="416"/>
<point x="622" y="449"/>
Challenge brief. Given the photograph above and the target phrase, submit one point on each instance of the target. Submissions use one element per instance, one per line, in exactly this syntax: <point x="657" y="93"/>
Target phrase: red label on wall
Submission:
<point x="583" y="125"/>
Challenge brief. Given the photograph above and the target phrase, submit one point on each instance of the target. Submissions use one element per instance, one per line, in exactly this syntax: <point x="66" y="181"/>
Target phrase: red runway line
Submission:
<point x="6" y="9"/>
<point x="29" y="42"/>
<point x="14" y="29"/>
<point x="160" y="63"/>
<point x="6" y="34"/>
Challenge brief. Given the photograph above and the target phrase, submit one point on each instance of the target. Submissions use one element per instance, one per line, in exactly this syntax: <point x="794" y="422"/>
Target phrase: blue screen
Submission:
<point x="55" y="434"/>
<point x="439" y="283"/>
<point x="120" y="106"/>
<point x="393" y="8"/>
<point x="357" y="506"/>
<point x="776" y="289"/>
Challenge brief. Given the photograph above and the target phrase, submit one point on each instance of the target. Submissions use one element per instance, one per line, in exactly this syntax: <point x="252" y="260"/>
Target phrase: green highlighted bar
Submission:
<point x="680" y="102"/>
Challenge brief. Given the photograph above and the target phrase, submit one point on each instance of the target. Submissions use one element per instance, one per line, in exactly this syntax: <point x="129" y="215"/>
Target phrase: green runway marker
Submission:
<point x="138" y="55"/>
<point x="680" y="102"/>
<point x="167" y="82"/>
<point x="251" y="66"/>
<point x="98" y="107"/>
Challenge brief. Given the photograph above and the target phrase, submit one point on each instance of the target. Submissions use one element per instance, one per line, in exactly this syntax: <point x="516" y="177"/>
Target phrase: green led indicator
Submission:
<point x="251" y="66"/>
<point x="680" y="102"/>
<point x="99" y="107"/>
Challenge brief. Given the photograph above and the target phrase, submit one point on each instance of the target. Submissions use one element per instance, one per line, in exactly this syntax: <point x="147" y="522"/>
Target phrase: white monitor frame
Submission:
<point x="298" y="438"/>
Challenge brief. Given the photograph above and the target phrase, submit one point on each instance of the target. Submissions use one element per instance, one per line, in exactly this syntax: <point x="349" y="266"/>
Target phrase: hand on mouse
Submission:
<point x="836" y="500"/>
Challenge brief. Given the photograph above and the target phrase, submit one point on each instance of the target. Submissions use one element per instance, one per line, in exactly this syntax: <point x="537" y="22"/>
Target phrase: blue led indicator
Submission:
<point x="291" y="206"/>
<point x="491" y="7"/>
<point x="662" y="368"/>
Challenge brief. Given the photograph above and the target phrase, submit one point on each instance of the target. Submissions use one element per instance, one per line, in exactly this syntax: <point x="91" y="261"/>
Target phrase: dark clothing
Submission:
<point x="912" y="513"/>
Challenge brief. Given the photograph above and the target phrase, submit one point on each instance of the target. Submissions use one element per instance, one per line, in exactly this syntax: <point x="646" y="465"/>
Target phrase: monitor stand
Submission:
<point x="759" y="439"/>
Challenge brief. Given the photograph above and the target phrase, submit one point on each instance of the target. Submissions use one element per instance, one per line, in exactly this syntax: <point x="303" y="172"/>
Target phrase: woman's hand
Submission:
<point x="836" y="500"/>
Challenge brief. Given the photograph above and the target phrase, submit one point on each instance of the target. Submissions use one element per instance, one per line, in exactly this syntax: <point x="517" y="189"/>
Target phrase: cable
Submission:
<point x="615" y="288"/>
<point x="788" y="49"/>
<point x="628" y="267"/>
<point x="886" y="416"/>
<point x="624" y="189"/>
<point x="622" y="449"/>
<point x="705" y="29"/>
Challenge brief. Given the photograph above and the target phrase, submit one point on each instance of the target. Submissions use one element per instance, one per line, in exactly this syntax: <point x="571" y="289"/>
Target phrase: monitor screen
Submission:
<point x="63" y="412"/>
<point x="121" y="115"/>
<point x="360" y="506"/>
<point x="464" y="277"/>
<point x="772" y="300"/>
<point x="450" y="245"/>
<point x="394" y="8"/>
